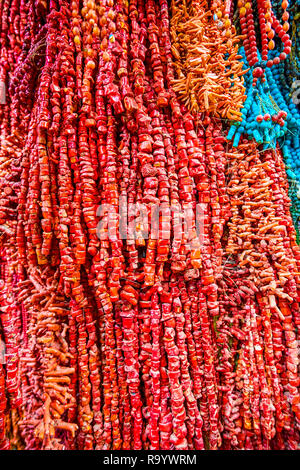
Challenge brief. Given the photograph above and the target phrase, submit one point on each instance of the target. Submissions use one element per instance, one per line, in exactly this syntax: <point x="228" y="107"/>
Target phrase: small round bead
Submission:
<point x="258" y="72"/>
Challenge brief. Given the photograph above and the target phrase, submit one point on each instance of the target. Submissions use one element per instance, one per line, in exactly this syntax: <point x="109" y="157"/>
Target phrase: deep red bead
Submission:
<point x="282" y="114"/>
<point x="282" y="56"/>
<point x="276" y="60"/>
<point x="258" y="72"/>
<point x="287" y="50"/>
<point x="270" y="63"/>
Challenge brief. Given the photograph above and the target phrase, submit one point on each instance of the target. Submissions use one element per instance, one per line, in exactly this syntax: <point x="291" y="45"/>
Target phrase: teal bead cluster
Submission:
<point x="291" y="144"/>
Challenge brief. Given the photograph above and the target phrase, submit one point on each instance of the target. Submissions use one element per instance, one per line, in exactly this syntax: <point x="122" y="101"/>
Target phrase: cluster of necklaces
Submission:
<point x="271" y="112"/>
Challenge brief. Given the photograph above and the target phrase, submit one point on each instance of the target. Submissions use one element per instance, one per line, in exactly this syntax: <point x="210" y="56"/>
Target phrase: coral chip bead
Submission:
<point x="77" y="40"/>
<point x="91" y="64"/>
<point x="243" y="11"/>
<point x="96" y="31"/>
<point x="284" y="4"/>
<point x="106" y="56"/>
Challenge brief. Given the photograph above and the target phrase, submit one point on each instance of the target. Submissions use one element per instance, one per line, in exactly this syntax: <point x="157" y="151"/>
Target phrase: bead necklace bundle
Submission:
<point x="270" y="115"/>
<point x="208" y="73"/>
